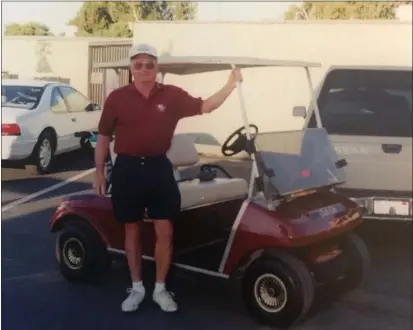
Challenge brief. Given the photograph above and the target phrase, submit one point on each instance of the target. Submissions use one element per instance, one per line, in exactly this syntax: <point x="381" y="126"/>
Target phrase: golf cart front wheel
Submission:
<point x="81" y="254"/>
<point x="278" y="292"/>
<point x="358" y="262"/>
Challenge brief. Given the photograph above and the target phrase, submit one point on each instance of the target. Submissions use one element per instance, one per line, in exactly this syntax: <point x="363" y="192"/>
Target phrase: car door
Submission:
<point x="85" y="114"/>
<point x="62" y="122"/>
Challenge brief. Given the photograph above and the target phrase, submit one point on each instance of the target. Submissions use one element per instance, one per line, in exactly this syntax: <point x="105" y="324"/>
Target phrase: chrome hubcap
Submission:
<point x="73" y="253"/>
<point x="270" y="293"/>
<point x="45" y="153"/>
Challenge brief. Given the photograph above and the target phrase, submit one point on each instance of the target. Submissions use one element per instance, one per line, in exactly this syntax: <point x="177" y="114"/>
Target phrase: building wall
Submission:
<point x="101" y="53"/>
<point x="65" y="57"/>
<point x="404" y="13"/>
<point x="270" y="94"/>
<point x="48" y="56"/>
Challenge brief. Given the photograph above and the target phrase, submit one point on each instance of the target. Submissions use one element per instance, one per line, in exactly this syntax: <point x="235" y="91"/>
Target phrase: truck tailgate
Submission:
<point x="375" y="162"/>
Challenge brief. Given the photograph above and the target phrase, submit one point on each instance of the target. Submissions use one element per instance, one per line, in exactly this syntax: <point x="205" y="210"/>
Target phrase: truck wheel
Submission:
<point x="358" y="261"/>
<point x="81" y="254"/>
<point x="278" y="291"/>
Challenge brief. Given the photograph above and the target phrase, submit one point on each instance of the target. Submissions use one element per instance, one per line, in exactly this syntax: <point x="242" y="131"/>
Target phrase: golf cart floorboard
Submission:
<point x="207" y="256"/>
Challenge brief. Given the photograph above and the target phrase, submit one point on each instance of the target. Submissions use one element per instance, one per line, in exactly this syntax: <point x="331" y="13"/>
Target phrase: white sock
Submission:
<point x="159" y="286"/>
<point x="138" y="286"/>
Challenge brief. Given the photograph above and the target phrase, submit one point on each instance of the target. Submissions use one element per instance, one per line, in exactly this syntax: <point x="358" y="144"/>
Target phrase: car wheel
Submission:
<point x="278" y="292"/>
<point x="44" y="153"/>
<point x="358" y="261"/>
<point x="81" y="254"/>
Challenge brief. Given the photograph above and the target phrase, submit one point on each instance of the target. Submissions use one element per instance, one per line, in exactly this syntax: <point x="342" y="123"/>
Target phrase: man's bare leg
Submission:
<point x="163" y="259"/>
<point x="133" y="251"/>
<point x="163" y="248"/>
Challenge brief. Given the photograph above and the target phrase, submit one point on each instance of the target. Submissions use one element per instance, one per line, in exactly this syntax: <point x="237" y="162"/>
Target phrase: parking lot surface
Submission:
<point x="36" y="297"/>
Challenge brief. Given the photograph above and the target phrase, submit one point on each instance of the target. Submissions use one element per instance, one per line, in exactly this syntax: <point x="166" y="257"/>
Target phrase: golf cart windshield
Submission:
<point x="296" y="161"/>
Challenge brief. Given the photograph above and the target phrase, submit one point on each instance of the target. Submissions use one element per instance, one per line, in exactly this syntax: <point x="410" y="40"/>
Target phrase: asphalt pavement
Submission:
<point x="36" y="297"/>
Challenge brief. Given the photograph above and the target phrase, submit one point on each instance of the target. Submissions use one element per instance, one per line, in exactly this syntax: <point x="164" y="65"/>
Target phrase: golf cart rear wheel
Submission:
<point x="278" y="291"/>
<point x="81" y="254"/>
<point x="358" y="262"/>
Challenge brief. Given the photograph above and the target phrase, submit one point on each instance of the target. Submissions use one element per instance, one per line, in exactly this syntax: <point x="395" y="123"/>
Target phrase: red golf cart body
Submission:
<point x="281" y="234"/>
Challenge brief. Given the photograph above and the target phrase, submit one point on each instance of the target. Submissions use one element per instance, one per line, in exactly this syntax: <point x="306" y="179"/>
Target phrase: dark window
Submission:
<point x="19" y="96"/>
<point x="366" y="102"/>
<point x="77" y="102"/>
<point x="57" y="103"/>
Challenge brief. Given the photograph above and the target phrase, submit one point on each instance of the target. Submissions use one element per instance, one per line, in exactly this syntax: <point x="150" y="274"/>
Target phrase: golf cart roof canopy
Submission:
<point x="184" y="65"/>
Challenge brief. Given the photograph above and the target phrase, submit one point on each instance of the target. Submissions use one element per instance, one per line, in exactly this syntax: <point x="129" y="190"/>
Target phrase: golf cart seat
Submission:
<point x="195" y="192"/>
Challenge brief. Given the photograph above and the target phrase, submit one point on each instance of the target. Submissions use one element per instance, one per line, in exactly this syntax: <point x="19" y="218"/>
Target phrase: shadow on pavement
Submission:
<point x="26" y="244"/>
<point x="21" y="188"/>
<point x="77" y="160"/>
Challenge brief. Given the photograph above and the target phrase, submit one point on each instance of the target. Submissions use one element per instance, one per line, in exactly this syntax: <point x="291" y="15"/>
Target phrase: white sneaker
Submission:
<point x="132" y="302"/>
<point x="165" y="300"/>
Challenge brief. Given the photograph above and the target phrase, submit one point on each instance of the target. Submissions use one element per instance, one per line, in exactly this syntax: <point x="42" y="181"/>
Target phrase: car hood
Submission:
<point x="10" y="114"/>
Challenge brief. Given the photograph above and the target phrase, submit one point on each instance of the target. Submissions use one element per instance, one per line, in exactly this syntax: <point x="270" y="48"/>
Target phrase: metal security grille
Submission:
<point x="100" y="53"/>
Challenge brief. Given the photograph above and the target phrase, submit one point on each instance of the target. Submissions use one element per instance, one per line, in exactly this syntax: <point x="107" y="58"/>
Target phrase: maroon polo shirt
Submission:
<point x="145" y="126"/>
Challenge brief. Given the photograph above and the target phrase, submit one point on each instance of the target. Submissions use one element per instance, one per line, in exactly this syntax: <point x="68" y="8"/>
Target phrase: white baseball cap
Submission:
<point x="139" y="49"/>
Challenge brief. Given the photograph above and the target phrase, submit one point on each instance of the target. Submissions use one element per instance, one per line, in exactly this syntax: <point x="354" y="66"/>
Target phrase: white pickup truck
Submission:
<point x="367" y="112"/>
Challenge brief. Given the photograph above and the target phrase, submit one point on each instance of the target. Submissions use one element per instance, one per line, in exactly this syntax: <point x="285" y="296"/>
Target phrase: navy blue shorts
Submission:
<point x="142" y="184"/>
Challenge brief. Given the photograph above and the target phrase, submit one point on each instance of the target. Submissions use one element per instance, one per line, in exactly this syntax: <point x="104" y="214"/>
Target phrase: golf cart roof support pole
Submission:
<point x="313" y="98"/>
<point x="163" y="74"/>
<point x="254" y="170"/>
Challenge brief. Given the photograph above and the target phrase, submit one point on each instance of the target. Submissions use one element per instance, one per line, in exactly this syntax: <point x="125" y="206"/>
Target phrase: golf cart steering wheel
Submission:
<point x="229" y="149"/>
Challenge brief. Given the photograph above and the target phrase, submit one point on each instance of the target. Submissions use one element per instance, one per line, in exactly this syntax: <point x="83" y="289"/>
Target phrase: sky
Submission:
<point x="56" y="14"/>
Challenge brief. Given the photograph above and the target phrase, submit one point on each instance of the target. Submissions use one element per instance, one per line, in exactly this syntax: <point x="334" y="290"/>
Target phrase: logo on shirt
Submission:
<point x="161" y="107"/>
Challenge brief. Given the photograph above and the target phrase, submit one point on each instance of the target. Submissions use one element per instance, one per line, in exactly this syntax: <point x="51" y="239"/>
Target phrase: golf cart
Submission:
<point x="278" y="237"/>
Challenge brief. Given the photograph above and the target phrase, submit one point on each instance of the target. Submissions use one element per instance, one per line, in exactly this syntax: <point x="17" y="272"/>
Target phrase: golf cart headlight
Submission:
<point x="362" y="203"/>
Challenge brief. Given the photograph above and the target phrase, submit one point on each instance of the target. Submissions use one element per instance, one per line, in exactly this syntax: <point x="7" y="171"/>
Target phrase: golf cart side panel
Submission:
<point x="197" y="227"/>
<point x="94" y="210"/>
<point x="298" y="223"/>
<point x="206" y="223"/>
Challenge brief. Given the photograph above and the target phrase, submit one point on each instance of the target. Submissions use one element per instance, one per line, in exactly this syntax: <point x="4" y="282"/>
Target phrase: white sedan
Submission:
<point x="39" y="119"/>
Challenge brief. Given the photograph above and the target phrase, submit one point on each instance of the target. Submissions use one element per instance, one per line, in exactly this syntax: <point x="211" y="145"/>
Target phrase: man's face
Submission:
<point x="144" y="68"/>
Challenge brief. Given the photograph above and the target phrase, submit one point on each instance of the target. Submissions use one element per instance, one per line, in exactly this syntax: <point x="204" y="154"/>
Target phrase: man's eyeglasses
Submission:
<point x="147" y="66"/>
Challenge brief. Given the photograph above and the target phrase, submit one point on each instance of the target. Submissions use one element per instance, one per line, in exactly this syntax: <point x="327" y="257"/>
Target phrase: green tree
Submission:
<point x="28" y="29"/>
<point x="343" y="10"/>
<point x="112" y="19"/>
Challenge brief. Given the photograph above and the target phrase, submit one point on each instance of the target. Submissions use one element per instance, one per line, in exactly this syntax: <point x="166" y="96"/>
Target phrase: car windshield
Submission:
<point x="295" y="161"/>
<point x="18" y="96"/>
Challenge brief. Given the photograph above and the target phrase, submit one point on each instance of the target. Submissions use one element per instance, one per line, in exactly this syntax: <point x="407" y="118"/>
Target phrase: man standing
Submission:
<point x="143" y="115"/>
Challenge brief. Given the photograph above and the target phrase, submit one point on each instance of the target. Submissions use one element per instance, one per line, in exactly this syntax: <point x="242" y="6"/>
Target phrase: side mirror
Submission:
<point x="96" y="107"/>
<point x="93" y="107"/>
<point x="299" y="111"/>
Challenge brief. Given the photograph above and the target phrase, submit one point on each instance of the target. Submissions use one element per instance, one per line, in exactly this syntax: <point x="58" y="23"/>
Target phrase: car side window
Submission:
<point x="57" y="103"/>
<point x="77" y="102"/>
